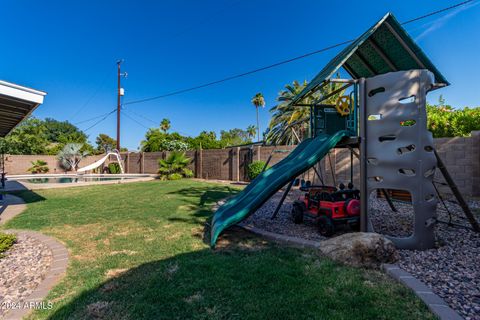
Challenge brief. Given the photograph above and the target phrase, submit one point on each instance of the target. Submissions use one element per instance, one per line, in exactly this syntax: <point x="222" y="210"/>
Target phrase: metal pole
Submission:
<point x="119" y="62"/>
<point x="284" y="196"/>
<point x="456" y="193"/>
<point x="363" y="156"/>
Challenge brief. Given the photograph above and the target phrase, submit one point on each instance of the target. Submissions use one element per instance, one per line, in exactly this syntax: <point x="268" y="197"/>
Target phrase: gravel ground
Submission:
<point x="452" y="270"/>
<point x="21" y="271"/>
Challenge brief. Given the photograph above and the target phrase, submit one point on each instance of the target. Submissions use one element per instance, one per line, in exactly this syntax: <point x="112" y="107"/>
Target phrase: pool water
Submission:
<point x="72" y="179"/>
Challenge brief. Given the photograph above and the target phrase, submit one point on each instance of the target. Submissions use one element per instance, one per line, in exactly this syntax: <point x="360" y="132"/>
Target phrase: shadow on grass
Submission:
<point x="244" y="278"/>
<point x="203" y="284"/>
<point x="28" y="196"/>
<point x="203" y="198"/>
<point x="208" y="194"/>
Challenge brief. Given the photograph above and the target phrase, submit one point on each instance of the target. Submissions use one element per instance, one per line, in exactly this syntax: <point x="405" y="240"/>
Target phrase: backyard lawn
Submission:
<point x="137" y="252"/>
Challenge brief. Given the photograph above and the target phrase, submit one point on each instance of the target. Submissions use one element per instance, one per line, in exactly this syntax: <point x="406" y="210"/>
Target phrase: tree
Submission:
<point x="251" y="131"/>
<point x="205" y="140"/>
<point x="27" y="138"/>
<point x="105" y="143"/>
<point x="157" y="140"/>
<point x="49" y="136"/>
<point x="289" y="122"/>
<point x="165" y="125"/>
<point x="258" y="101"/>
<point x="71" y="155"/>
<point x="234" y="137"/>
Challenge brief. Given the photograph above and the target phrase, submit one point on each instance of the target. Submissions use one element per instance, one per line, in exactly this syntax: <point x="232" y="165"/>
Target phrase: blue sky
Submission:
<point x="69" y="49"/>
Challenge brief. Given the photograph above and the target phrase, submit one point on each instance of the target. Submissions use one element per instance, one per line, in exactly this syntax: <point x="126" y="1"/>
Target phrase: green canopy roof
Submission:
<point x="383" y="48"/>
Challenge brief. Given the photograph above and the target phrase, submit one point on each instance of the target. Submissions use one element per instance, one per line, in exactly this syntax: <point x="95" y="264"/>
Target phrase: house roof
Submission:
<point x="16" y="103"/>
<point x="385" y="47"/>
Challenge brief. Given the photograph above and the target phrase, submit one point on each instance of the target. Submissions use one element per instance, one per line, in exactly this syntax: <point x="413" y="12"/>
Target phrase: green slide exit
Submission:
<point x="302" y="158"/>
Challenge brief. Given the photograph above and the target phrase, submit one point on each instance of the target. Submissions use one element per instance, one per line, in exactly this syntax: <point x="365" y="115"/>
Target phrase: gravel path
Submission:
<point x="22" y="269"/>
<point x="452" y="270"/>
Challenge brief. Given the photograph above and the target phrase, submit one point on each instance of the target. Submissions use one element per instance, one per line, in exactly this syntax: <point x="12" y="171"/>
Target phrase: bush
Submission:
<point x="38" y="166"/>
<point x="114" y="168"/>
<point x="174" y="176"/>
<point x="445" y="121"/>
<point x="255" y="168"/>
<point x="6" y="241"/>
<point x="174" y="167"/>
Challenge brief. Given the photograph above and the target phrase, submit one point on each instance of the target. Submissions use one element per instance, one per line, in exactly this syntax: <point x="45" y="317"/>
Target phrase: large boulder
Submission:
<point x="360" y="249"/>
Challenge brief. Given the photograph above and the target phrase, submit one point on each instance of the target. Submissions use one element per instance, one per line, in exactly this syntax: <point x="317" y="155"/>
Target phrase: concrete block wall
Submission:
<point x="19" y="164"/>
<point x="461" y="156"/>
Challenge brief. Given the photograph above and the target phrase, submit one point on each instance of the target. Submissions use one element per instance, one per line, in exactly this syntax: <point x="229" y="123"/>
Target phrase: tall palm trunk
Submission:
<point x="258" y="127"/>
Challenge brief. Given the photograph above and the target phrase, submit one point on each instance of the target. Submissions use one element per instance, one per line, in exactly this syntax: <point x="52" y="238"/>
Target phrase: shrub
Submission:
<point x="6" y="241"/>
<point x="255" y="168"/>
<point x="114" y="168"/>
<point x="174" y="176"/>
<point x="38" y="166"/>
<point x="445" y="121"/>
<point x="174" y="167"/>
<point x="174" y="145"/>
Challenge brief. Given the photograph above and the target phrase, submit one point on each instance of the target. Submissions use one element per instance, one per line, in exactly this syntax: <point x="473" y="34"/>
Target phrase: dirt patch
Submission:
<point x="126" y="252"/>
<point x="109" y="286"/>
<point x="236" y="238"/>
<point x="114" y="273"/>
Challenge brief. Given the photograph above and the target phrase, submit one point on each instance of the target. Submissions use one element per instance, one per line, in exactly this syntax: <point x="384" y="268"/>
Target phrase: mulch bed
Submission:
<point x="22" y="269"/>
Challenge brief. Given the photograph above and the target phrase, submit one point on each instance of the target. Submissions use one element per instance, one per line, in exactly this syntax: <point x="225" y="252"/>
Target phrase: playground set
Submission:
<point x="382" y="121"/>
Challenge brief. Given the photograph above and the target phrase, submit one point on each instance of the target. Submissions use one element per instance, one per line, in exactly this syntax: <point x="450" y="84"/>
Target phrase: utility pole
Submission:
<point x="120" y="93"/>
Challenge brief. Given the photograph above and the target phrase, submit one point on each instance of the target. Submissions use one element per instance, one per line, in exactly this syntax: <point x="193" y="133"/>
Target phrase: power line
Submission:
<point x="208" y="84"/>
<point x="101" y="120"/>
<point x="239" y="75"/>
<point x="134" y="120"/>
<point x="90" y="119"/>
<point x="141" y="116"/>
<point x="155" y="122"/>
<point x="437" y="12"/>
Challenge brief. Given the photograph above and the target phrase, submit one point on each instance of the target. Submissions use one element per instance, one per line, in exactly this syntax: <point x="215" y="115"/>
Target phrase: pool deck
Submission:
<point x="18" y="185"/>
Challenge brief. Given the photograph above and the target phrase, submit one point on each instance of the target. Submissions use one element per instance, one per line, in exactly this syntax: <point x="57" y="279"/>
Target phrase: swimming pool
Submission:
<point x="71" y="179"/>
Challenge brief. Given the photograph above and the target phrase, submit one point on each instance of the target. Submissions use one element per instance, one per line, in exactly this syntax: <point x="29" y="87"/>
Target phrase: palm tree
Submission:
<point x="258" y="101"/>
<point x="165" y="125"/>
<point x="251" y="131"/>
<point x="71" y="155"/>
<point x="174" y="167"/>
<point x="295" y="118"/>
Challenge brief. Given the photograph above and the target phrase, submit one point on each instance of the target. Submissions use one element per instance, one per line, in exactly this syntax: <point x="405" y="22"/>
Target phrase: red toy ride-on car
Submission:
<point x="329" y="206"/>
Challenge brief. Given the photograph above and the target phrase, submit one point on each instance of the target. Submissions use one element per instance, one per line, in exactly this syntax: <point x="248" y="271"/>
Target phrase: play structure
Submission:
<point x="380" y="116"/>
<point x="100" y="162"/>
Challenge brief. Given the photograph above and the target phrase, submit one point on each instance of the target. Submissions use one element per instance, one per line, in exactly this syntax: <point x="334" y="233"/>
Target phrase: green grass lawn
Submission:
<point x="137" y="253"/>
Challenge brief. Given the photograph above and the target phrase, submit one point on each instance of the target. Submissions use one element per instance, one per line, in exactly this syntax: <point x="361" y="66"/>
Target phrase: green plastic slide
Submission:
<point x="303" y="157"/>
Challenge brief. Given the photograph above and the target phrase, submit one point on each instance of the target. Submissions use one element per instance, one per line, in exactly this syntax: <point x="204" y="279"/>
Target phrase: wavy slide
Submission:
<point x="302" y="158"/>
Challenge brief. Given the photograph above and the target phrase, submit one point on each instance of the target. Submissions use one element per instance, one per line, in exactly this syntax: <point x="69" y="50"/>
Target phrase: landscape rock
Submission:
<point x="360" y="249"/>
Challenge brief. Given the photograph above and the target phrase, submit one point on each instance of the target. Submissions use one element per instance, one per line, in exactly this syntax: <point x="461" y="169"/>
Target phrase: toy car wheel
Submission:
<point x="325" y="226"/>
<point x="297" y="212"/>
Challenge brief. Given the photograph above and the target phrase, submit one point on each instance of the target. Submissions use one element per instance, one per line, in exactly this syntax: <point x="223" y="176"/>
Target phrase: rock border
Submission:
<point x="436" y="304"/>
<point x="57" y="270"/>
